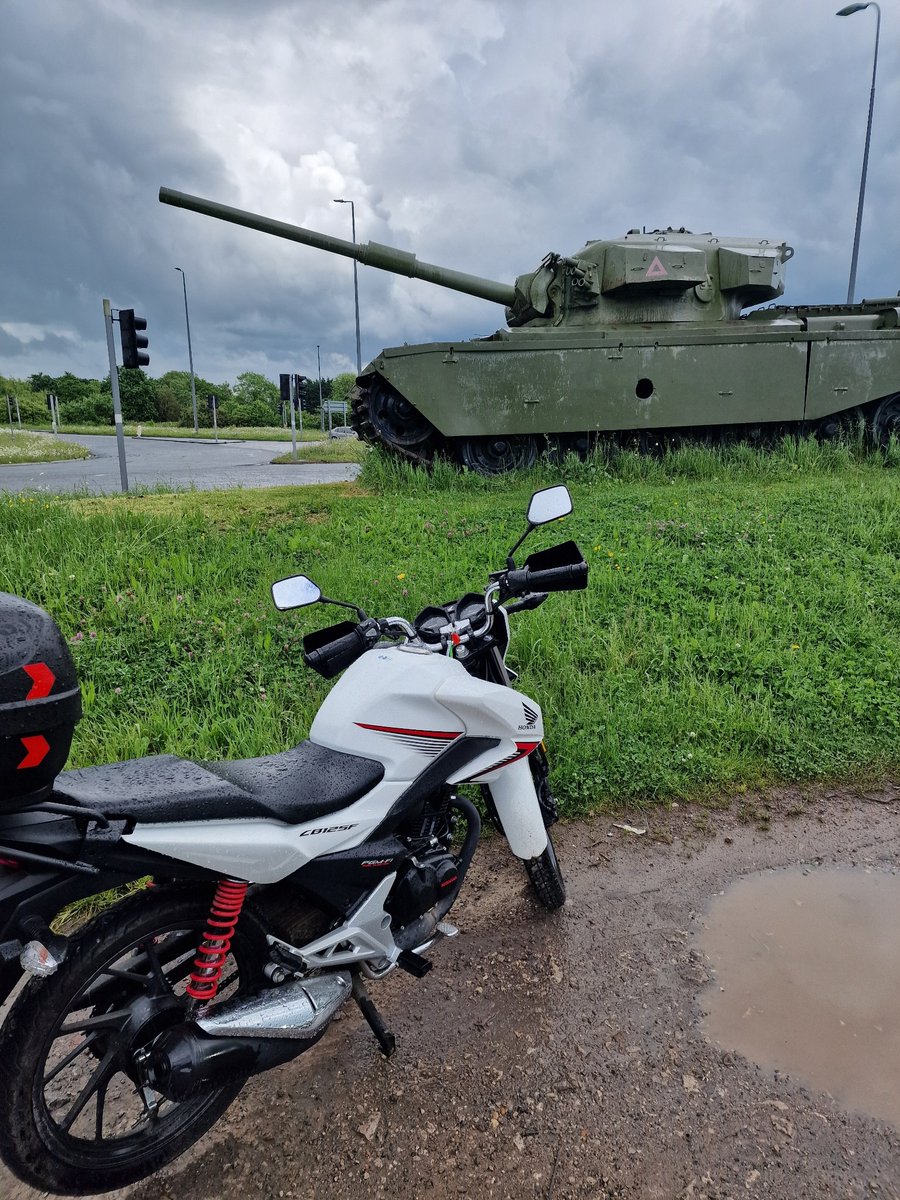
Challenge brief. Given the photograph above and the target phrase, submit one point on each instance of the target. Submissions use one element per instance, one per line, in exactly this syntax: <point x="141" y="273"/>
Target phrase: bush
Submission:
<point x="32" y="408"/>
<point x="234" y="411"/>
<point x="87" y="410"/>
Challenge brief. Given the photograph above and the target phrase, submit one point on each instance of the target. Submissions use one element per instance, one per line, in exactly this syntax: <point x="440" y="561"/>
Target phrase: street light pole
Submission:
<point x="355" y="282"/>
<point x="846" y="12"/>
<point x="187" y="322"/>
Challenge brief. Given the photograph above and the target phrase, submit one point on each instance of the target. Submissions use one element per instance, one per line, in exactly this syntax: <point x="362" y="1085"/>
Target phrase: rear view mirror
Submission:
<point x="549" y="504"/>
<point x="296" y="592"/>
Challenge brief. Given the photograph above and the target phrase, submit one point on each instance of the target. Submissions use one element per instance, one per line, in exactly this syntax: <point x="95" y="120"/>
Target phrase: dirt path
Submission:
<point x="563" y="1056"/>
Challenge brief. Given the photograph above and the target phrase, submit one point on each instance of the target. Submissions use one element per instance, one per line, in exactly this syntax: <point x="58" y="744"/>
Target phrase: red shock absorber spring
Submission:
<point x="216" y="941"/>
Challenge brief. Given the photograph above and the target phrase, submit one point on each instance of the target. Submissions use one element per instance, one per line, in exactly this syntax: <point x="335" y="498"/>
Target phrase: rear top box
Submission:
<point x="40" y="702"/>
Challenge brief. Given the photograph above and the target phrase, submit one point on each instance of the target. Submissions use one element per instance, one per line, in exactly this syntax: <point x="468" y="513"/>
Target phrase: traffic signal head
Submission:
<point x="300" y="402"/>
<point x="284" y="390"/>
<point x="134" y="344"/>
<point x="212" y="401"/>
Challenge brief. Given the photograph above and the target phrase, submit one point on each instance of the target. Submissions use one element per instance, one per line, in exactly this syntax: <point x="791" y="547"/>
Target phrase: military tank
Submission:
<point x="642" y="339"/>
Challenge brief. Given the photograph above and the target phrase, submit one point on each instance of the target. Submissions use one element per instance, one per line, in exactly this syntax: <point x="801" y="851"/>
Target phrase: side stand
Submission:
<point x="383" y="1035"/>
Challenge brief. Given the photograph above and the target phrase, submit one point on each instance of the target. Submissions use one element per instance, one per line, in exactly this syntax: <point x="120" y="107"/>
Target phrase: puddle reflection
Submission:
<point x="807" y="980"/>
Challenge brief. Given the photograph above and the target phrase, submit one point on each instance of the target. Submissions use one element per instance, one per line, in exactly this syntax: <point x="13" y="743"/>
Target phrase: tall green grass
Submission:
<point x="740" y="624"/>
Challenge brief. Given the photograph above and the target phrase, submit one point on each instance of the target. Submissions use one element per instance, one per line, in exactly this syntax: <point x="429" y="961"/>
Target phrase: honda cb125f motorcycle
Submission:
<point x="281" y="886"/>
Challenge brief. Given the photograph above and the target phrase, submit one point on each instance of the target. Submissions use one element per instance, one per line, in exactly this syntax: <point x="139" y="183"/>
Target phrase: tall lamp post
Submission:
<point x="847" y="11"/>
<point x="187" y="322"/>
<point x="355" y="282"/>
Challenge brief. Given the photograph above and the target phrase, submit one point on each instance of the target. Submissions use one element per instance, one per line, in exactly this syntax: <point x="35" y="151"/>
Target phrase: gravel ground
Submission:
<point x="563" y="1056"/>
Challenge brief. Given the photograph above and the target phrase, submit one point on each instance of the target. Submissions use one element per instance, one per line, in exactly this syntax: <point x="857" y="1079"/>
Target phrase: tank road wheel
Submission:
<point x="886" y="421"/>
<point x="395" y="420"/>
<point x="839" y="425"/>
<point x="495" y="455"/>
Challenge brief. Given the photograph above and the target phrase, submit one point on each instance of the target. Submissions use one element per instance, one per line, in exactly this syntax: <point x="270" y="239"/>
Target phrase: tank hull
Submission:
<point x="780" y="371"/>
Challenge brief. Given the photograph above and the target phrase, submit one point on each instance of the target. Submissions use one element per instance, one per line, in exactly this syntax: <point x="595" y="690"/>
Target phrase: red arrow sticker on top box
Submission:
<point x="43" y="680"/>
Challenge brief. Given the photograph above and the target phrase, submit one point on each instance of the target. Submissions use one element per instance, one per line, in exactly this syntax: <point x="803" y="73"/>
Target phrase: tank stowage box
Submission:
<point x="40" y="701"/>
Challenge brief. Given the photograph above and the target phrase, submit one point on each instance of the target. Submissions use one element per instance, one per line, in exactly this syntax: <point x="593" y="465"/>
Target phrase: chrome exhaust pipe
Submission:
<point x="300" y="1009"/>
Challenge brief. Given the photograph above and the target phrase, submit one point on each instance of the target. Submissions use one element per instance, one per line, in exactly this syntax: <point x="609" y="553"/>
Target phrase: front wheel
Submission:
<point x="76" y="1114"/>
<point x="546" y="878"/>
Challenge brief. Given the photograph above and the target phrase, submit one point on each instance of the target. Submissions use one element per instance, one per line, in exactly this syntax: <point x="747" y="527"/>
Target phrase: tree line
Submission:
<point x="251" y="400"/>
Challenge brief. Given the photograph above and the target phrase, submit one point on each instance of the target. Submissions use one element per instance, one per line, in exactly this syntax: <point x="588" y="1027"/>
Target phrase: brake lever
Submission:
<point x="533" y="600"/>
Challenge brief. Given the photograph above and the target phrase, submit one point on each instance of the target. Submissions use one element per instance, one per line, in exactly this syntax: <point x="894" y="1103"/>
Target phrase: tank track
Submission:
<point x="370" y="399"/>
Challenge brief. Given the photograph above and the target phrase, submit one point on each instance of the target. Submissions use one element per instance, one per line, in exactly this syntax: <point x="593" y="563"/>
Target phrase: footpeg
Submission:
<point x="383" y="1035"/>
<point x="445" y="929"/>
<point x="414" y="963"/>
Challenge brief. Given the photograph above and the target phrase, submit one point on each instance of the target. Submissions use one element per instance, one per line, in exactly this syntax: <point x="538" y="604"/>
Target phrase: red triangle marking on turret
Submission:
<point x="656" y="270"/>
<point x="38" y="748"/>
<point x="43" y="680"/>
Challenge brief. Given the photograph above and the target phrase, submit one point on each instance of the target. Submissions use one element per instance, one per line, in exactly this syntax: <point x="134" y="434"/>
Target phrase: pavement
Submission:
<point x="176" y="462"/>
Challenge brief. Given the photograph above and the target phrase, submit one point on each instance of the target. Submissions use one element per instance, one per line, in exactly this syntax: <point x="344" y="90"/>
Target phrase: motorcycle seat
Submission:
<point x="298" y="785"/>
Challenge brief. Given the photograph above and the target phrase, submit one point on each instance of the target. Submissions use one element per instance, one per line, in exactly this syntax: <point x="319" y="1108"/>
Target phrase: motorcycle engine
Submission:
<point x="424" y="880"/>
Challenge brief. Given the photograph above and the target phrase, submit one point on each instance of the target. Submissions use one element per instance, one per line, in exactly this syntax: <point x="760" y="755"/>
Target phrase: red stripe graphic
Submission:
<point x="38" y="748"/>
<point x="43" y="680"/>
<point x="425" y="733"/>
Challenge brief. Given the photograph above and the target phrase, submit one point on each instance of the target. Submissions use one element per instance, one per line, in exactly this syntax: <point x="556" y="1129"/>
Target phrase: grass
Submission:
<point x="338" y="450"/>
<point x="740" y="626"/>
<point x="240" y="433"/>
<point x="22" y="447"/>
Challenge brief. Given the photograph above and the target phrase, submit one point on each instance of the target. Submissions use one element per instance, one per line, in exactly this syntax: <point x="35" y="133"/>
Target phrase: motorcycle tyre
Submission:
<point x="546" y="878"/>
<point x="26" y="1142"/>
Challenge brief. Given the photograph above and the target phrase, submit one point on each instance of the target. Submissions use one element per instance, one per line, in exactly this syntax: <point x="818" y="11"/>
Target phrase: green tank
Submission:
<point x="641" y="338"/>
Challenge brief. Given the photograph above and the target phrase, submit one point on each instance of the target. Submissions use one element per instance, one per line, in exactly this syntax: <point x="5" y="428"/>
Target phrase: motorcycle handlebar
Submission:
<point x="335" y="656"/>
<point x="569" y="578"/>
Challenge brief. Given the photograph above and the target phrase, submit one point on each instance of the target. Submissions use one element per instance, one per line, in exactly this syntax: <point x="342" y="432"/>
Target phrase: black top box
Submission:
<point x="40" y="702"/>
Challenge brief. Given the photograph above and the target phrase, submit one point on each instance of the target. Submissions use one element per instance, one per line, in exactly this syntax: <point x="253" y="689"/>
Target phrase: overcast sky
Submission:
<point x="477" y="133"/>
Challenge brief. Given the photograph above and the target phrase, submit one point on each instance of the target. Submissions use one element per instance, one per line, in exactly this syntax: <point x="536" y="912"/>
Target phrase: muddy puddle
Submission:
<point x="807" y="980"/>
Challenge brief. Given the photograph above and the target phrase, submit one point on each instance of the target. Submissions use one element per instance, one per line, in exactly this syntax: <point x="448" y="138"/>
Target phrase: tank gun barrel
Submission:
<point x="370" y="254"/>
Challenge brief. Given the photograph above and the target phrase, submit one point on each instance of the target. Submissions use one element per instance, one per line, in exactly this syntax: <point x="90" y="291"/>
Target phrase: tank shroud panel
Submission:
<point x="640" y="338"/>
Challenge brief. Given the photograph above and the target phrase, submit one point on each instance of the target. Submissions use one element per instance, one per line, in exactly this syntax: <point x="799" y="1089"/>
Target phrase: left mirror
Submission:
<point x="295" y="592"/>
<point x="549" y="504"/>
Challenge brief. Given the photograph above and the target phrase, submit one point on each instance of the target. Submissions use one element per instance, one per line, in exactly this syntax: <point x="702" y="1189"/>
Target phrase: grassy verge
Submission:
<point x="21" y="447"/>
<point x="339" y="450"/>
<point x="740" y="625"/>
<point x="241" y="433"/>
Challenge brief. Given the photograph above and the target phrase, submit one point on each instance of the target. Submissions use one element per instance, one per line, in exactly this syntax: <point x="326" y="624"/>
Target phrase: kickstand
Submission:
<point x="383" y="1035"/>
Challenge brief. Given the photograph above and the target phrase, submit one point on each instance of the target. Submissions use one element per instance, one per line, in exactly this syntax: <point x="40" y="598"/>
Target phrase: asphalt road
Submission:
<point x="183" y="463"/>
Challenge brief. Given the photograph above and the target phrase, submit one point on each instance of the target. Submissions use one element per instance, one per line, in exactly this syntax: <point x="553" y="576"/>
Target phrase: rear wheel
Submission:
<point x="76" y="1114"/>
<point x="546" y="878"/>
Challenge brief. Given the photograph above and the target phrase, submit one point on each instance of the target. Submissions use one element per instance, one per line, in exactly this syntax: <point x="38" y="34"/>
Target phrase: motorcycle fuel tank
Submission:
<point x="403" y="706"/>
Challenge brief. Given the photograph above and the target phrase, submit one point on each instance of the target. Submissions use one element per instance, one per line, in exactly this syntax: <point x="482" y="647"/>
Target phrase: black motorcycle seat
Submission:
<point x="298" y="785"/>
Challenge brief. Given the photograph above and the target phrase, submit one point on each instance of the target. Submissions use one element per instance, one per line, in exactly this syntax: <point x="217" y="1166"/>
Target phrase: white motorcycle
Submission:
<point x="281" y="885"/>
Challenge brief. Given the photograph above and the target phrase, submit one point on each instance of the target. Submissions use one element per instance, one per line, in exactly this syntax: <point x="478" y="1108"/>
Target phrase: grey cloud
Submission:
<point x="478" y="133"/>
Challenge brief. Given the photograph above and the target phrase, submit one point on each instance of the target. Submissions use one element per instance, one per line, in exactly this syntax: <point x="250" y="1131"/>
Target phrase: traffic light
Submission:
<point x="212" y="401"/>
<point x="134" y="344"/>
<point x="284" y="390"/>
<point x="300" y="381"/>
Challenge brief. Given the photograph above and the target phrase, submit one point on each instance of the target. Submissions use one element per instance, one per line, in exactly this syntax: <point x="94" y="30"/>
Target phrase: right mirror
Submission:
<point x="549" y="504"/>
<point x="295" y="592"/>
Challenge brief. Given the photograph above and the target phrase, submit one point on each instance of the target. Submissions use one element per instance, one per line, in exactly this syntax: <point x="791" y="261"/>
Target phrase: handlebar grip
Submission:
<point x="335" y="656"/>
<point x="569" y="578"/>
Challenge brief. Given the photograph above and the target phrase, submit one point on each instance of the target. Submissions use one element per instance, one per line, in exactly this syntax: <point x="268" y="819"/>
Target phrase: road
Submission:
<point x="567" y="1056"/>
<point x="181" y="463"/>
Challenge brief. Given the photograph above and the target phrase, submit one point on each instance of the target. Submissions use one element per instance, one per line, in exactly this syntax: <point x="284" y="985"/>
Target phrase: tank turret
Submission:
<point x="641" y="338"/>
